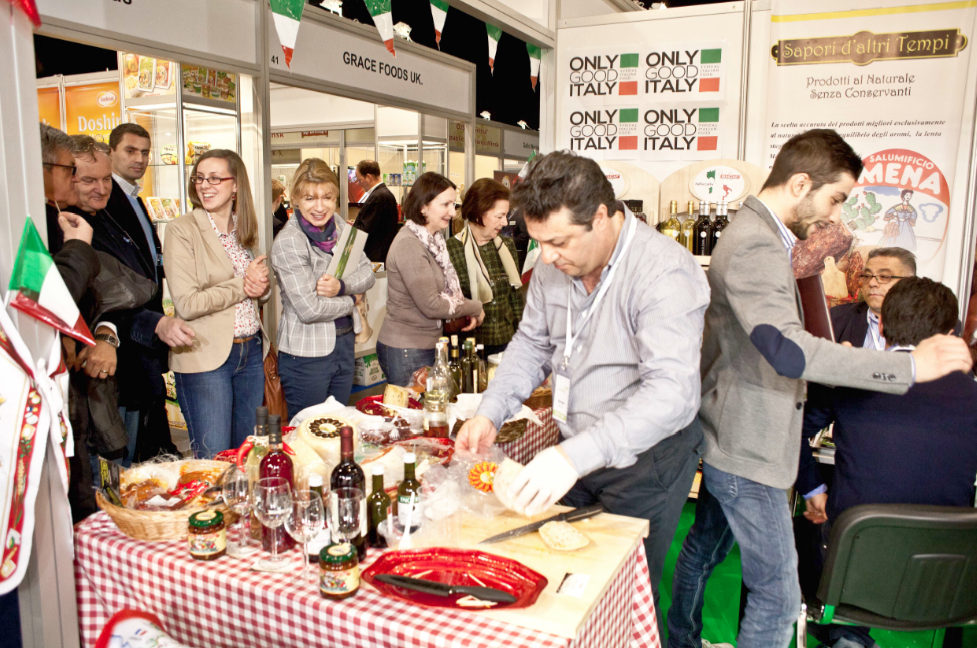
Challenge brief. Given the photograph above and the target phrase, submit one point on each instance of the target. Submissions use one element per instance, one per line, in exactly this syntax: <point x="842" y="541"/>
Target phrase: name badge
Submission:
<point x="561" y="394"/>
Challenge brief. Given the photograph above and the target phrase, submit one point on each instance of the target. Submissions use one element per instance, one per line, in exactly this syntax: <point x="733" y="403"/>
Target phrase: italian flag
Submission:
<point x="40" y="290"/>
<point x="494" y="34"/>
<point x="287" y="15"/>
<point x="383" y="19"/>
<point x="439" y="11"/>
<point x="535" y="54"/>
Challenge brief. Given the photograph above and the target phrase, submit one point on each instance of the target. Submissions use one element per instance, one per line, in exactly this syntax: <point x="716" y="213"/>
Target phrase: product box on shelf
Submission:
<point x="367" y="371"/>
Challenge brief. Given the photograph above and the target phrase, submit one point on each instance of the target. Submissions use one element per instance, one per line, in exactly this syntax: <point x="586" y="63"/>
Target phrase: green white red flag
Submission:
<point x="29" y="7"/>
<point x="494" y="34"/>
<point x="383" y="19"/>
<point x="287" y="15"/>
<point x="40" y="291"/>
<point x="535" y="54"/>
<point x="439" y="11"/>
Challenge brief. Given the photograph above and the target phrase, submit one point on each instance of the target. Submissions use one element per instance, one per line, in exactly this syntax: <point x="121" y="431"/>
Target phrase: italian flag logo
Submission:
<point x="709" y="69"/>
<point x="439" y="11"/>
<point x="627" y="129"/>
<point x="40" y="290"/>
<point x="708" y="124"/>
<point x="287" y="15"/>
<point x="627" y="81"/>
<point x="383" y="19"/>
<point x="494" y="34"/>
<point x="535" y="55"/>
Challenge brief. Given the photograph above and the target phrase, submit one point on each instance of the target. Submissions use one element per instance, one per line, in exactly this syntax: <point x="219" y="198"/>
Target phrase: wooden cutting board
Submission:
<point x="612" y="539"/>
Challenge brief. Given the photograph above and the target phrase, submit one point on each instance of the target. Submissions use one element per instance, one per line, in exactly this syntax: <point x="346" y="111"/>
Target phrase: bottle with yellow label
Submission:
<point x="672" y="227"/>
<point x="687" y="235"/>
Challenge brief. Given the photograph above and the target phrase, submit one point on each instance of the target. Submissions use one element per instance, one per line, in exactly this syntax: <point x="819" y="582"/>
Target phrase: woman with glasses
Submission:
<point x="486" y="263"/>
<point x="315" y="330"/>
<point x="215" y="282"/>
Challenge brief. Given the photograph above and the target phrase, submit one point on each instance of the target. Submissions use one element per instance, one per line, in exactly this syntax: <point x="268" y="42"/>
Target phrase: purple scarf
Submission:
<point x="325" y="238"/>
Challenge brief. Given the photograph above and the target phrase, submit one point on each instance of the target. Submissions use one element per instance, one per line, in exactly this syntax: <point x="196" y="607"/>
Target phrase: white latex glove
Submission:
<point x="538" y="486"/>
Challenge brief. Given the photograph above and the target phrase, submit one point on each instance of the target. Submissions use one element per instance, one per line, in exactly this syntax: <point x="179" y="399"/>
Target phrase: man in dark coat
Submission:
<point x="379" y="215"/>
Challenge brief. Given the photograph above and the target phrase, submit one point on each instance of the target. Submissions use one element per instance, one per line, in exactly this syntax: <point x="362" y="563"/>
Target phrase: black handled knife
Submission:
<point x="442" y="589"/>
<point x="568" y="516"/>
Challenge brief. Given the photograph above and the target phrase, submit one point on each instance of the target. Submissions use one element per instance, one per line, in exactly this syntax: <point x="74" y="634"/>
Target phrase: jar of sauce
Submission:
<point x="339" y="571"/>
<point x="206" y="535"/>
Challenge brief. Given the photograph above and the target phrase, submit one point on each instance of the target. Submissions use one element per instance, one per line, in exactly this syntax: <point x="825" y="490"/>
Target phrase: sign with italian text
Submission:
<point x="610" y="133"/>
<point x="680" y="131"/>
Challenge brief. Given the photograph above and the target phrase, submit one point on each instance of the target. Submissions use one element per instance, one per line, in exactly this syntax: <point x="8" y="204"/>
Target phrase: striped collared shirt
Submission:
<point x="634" y="369"/>
<point x="785" y="234"/>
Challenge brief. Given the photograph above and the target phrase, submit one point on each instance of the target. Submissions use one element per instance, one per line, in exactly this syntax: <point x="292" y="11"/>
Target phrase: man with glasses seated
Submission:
<point x="858" y="323"/>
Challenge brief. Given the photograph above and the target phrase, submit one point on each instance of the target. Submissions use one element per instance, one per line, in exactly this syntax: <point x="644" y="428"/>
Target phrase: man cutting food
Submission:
<point x="615" y="311"/>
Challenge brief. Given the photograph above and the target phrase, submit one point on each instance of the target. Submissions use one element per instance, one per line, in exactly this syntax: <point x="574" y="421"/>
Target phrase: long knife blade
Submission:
<point x="443" y="589"/>
<point x="568" y="516"/>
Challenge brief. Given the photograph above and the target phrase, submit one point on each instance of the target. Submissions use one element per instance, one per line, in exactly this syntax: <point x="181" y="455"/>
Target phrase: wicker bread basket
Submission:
<point x="539" y="399"/>
<point x="156" y="526"/>
<point x="511" y="431"/>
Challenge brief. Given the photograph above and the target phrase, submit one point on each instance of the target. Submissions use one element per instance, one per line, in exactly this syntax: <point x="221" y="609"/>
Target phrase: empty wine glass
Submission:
<point x="237" y="495"/>
<point x="272" y="504"/>
<point x="347" y="513"/>
<point x="304" y="522"/>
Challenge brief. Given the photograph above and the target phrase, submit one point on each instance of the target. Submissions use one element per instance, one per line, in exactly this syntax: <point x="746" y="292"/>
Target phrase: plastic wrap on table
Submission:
<point x="473" y="474"/>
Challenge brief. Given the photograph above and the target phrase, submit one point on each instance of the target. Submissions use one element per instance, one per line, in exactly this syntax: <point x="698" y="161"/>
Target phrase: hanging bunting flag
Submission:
<point x="288" y="15"/>
<point x="535" y="54"/>
<point x="383" y="19"/>
<point x="29" y="7"/>
<point x="439" y="11"/>
<point x="41" y="292"/>
<point x="494" y="34"/>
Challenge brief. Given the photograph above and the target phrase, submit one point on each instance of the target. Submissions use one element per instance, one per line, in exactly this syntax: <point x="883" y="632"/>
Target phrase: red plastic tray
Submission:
<point x="456" y="567"/>
<point x="370" y="405"/>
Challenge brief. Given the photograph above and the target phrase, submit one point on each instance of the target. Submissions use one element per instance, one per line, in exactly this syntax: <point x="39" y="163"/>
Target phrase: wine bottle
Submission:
<point x="322" y="538"/>
<point x="466" y="368"/>
<point x="409" y="488"/>
<point x="276" y="464"/>
<point x="454" y="366"/>
<point x="672" y="227"/>
<point x="482" y="368"/>
<point x="440" y="374"/>
<point x="378" y="507"/>
<point x="435" y="411"/>
<point x="716" y="231"/>
<point x="348" y="474"/>
<point x="473" y="363"/>
<point x="700" y="244"/>
<point x="687" y="236"/>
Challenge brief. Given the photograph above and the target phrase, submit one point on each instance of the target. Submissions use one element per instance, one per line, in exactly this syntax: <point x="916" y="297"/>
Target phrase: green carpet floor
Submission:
<point x="720" y="615"/>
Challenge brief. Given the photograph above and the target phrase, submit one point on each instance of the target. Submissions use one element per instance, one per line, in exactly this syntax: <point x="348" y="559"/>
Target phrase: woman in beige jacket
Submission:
<point x="215" y="282"/>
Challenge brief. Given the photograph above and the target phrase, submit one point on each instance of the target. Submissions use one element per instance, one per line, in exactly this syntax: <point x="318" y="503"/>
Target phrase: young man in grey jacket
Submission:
<point x="756" y="361"/>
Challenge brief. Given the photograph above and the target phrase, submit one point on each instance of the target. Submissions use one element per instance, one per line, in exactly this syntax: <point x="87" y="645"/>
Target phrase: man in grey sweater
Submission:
<point x="756" y="361"/>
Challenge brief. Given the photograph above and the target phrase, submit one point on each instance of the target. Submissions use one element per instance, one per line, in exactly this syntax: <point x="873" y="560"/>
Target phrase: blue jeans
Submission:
<point x="220" y="405"/>
<point x="735" y="509"/>
<point x="310" y="381"/>
<point x="400" y="364"/>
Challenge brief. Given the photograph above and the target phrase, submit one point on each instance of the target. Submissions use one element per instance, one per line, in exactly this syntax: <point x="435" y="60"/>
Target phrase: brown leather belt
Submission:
<point x="244" y="339"/>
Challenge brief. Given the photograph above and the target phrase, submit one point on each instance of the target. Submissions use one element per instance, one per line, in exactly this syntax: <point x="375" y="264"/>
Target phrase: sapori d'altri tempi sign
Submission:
<point x="865" y="47"/>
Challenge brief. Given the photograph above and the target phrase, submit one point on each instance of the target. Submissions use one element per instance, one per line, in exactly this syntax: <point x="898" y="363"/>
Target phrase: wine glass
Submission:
<point x="347" y="513"/>
<point x="272" y="504"/>
<point x="237" y="495"/>
<point x="304" y="522"/>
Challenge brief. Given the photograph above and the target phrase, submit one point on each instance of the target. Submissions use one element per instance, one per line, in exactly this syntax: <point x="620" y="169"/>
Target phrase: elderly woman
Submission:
<point x="315" y="331"/>
<point x="486" y="263"/>
<point x="215" y="282"/>
<point x="422" y="286"/>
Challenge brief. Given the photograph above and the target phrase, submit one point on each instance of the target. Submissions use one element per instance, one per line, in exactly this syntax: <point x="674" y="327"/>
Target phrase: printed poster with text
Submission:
<point x="890" y="80"/>
<point x="653" y="103"/>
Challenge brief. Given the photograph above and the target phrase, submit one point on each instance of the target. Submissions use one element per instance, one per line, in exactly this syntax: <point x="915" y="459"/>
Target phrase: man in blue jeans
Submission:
<point x="756" y="359"/>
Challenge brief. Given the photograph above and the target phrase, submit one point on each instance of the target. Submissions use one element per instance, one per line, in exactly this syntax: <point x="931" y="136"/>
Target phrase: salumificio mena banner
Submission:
<point x="652" y="103"/>
<point x="890" y="80"/>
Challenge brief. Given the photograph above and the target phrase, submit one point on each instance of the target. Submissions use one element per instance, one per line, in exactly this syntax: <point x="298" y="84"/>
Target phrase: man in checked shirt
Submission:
<point x="615" y="311"/>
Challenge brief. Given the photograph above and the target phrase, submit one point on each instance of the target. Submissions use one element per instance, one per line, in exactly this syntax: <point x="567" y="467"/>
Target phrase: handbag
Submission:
<point x="274" y="396"/>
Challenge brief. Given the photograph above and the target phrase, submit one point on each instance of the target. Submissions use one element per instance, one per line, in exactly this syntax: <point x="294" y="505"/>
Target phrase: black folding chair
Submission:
<point x="899" y="567"/>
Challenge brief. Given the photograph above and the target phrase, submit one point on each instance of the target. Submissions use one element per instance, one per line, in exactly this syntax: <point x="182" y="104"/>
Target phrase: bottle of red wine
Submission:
<point x="378" y="506"/>
<point x="276" y="464"/>
<point x="347" y="474"/>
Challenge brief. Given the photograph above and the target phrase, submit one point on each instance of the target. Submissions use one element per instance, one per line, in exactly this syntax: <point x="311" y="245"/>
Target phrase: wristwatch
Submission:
<point x="108" y="337"/>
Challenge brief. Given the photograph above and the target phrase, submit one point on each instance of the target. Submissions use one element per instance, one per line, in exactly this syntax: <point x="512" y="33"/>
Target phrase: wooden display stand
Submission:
<point x="678" y="185"/>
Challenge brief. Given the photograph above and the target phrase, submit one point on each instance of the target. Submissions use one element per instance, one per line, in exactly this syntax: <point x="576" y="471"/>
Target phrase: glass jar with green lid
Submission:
<point x="339" y="571"/>
<point x="206" y="535"/>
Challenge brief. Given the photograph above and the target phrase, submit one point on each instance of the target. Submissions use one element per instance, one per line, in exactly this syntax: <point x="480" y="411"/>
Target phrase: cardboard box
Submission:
<point x="367" y="371"/>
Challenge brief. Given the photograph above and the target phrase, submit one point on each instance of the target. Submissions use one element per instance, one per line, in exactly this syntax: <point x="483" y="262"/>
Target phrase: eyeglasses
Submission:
<point x="73" y="168"/>
<point x="214" y="180"/>
<point x="881" y="278"/>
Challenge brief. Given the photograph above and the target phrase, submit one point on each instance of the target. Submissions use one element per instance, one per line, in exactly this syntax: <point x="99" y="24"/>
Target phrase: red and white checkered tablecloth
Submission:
<point x="222" y="604"/>
<point x="536" y="439"/>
